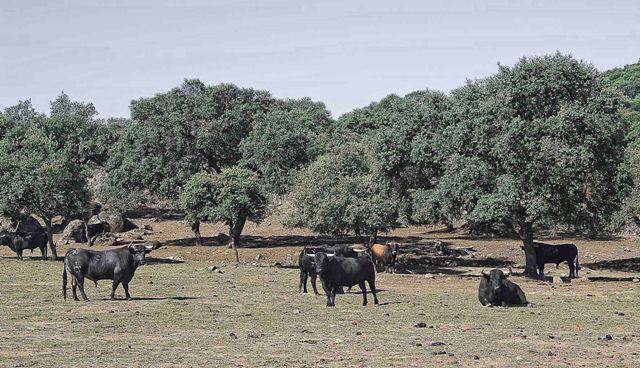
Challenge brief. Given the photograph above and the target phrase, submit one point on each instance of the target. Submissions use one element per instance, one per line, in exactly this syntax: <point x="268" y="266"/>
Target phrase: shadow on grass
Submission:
<point x="624" y="265"/>
<point x="153" y="260"/>
<point x="154" y="298"/>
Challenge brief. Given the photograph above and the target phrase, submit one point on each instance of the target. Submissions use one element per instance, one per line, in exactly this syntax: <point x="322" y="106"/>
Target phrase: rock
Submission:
<point x="608" y="337"/>
<point x="258" y="257"/>
<point x="105" y="239"/>
<point x="296" y="311"/>
<point x="420" y="325"/>
<point x="557" y="280"/>
<point x="116" y="221"/>
<point x="475" y="357"/>
<point x="215" y="269"/>
<point x="636" y="280"/>
<point x="75" y="231"/>
<point x="441" y="352"/>
<point x="437" y="343"/>
<point x="429" y="276"/>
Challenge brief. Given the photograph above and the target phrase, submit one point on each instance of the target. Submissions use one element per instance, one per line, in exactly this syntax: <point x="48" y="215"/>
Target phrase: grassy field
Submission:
<point x="185" y="315"/>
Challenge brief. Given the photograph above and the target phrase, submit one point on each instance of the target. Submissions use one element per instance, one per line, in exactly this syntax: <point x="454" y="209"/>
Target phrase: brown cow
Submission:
<point x="385" y="255"/>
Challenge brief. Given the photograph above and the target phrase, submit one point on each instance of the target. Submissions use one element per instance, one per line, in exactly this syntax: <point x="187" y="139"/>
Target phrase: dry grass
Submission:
<point x="186" y="315"/>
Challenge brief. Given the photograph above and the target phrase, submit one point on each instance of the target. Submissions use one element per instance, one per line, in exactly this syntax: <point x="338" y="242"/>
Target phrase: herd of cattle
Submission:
<point x="337" y="267"/>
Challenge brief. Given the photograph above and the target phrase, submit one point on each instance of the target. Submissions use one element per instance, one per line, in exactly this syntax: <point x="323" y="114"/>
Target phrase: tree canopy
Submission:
<point x="539" y="144"/>
<point x="231" y="197"/>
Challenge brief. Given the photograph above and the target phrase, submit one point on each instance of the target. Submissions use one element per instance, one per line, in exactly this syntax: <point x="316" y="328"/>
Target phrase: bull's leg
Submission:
<point x="74" y="286"/>
<point x="572" y="268"/>
<point x="303" y="282"/>
<point x="334" y="291"/>
<point x="541" y="270"/>
<point x="80" y="280"/>
<point x="313" y="283"/>
<point x="43" y="250"/>
<point x="364" y="292"/>
<point x="372" y="286"/>
<point x="327" y="292"/>
<point x="114" y="286"/>
<point x="125" y="285"/>
<point x="19" y="253"/>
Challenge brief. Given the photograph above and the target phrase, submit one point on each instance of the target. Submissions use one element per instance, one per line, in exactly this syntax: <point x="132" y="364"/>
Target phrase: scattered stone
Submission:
<point x="441" y="352"/>
<point x="420" y="325"/>
<point x="557" y="280"/>
<point x="296" y="311"/>
<point x="636" y="280"/>
<point x="258" y="257"/>
<point x="627" y="249"/>
<point x="620" y="313"/>
<point x="358" y="333"/>
<point x="339" y="341"/>
<point x="429" y="276"/>
<point x="418" y="344"/>
<point x="475" y="357"/>
<point x="437" y="343"/>
<point x="215" y="269"/>
<point x="608" y="337"/>
<point x="551" y="353"/>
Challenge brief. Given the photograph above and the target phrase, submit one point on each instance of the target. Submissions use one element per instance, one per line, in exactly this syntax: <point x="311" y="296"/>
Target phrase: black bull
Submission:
<point x="336" y="272"/>
<point x="118" y="265"/>
<point x="548" y="253"/>
<point x="496" y="289"/>
<point x="308" y="267"/>
<point x="19" y="241"/>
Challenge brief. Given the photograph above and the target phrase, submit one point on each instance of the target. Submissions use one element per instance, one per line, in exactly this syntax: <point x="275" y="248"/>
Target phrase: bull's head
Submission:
<point x="139" y="251"/>
<point x="321" y="260"/>
<point x="496" y="278"/>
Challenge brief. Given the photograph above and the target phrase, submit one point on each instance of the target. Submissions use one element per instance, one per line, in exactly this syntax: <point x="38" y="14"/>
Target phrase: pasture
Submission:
<point x="184" y="314"/>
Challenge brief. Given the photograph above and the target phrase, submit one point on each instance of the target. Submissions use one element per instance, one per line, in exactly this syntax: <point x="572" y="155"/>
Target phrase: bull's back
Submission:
<point x="556" y="253"/>
<point x="378" y="251"/>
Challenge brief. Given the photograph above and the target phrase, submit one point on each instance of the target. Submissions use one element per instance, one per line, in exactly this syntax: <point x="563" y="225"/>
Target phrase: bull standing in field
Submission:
<point x="19" y="241"/>
<point x="548" y="253"/>
<point x="385" y="255"/>
<point x="496" y="290"/>
<point x="118" y="265"/>
<point x="336" y="272"/>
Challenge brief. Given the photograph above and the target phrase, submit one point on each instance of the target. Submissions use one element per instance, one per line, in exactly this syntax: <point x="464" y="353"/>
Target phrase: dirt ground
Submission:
<point x="183" y="314"/>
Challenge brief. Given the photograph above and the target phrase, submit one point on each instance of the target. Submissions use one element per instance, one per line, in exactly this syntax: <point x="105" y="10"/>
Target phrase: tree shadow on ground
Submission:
<point x="153" y="260"/>
<point x="158" y="213"/>
<point x="624" y="264"/>
<point x="154" y="298"/>
<point x="428" y="258"/>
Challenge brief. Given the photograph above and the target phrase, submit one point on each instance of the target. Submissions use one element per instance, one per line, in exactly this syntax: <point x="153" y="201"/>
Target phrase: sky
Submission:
<point x="344" y="53"/>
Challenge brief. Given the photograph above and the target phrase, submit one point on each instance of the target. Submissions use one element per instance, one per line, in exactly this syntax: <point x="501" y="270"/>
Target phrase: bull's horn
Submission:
<point x="510" y="272"/>
<point x="148" y="247"/>
<point x="330" y="254"/>
<point x="359" y="250"/>
<point x="484" y="273"/>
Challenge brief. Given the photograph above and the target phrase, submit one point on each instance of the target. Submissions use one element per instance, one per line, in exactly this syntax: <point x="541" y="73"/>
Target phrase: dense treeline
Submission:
<point x="549" y="143"/>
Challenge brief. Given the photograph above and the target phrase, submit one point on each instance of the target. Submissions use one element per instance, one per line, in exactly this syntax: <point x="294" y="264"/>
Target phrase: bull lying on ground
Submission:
<point x="19" y="241"/>
<point x="336" y="272"/>
<point x="385" y="255"/>
<point x="496" y="289"/>
<point x="558" y="253"/>
<point x="118" y="265"/>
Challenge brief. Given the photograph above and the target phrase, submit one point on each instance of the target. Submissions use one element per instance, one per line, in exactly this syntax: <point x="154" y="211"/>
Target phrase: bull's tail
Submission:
<point x="64" y="279"/>
<point x="577" y="263"/>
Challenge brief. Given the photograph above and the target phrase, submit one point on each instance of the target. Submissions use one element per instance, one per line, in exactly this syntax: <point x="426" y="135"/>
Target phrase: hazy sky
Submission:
<point x="345" y="53"/>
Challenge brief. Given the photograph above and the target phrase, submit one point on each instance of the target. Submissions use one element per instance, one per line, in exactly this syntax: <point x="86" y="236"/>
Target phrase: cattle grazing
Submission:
<point x="19" y="241"/>
<point x="118" y="265"/>
<point x="385" y="255"/>
<point x="336" y="272"/>
<point x="558" y="253"/>
<point x="496" y="290"/>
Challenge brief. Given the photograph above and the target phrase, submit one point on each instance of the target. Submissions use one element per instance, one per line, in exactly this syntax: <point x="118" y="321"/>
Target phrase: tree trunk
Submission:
<point x="52" y="245"/>
<point x="195" y="226"/>
<point x="450" y="227"/>
<point x="235" y="229"/>
<point x="526" y="234"/>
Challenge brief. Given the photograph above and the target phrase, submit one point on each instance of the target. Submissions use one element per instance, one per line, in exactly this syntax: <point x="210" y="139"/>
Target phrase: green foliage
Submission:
<point x="39" y="178"/>
<point x="343" y="192"/>
<point x="402" y="134"/>
<point x="541" y="143"/>
<point x="177" y="134"/>
<point x="289" y="137"/>
<point x="231" y="196"/>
